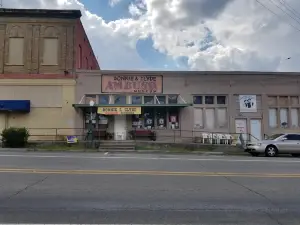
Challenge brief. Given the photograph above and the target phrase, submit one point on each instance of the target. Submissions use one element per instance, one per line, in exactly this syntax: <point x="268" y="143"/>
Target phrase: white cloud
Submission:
<point x="210" y="34"/>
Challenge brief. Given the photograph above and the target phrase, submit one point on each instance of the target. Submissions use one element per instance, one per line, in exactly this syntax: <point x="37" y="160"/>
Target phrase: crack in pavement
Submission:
<point x="24" y="189"/>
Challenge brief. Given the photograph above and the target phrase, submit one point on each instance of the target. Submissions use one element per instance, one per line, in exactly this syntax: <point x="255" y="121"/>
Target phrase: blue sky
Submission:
<point x="152" y="58"/>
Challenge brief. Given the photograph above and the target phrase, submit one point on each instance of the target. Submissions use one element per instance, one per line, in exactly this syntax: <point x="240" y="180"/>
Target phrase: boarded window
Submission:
<point x="273" y="118"/>
<point x="283" y="100"/>
<point x="16" y="51"/>
<point x="294" y="118"/>
<point x="222" y="117"/>
<point x="210" y="118"/>
<point x="198" y="118"/>
<point x="295" y="100"/>
<point x="283" y="117"/>
<point x="272" y="100"/>
<point x="50" y="53"/>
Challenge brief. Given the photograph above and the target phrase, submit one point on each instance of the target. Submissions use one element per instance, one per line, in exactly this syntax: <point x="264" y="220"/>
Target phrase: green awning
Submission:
<point x="128" y="105"/>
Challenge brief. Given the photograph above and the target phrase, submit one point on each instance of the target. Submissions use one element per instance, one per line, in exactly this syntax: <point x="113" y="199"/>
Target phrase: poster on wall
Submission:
<point x="131" y="84"/>
<point x="248" y="103"/>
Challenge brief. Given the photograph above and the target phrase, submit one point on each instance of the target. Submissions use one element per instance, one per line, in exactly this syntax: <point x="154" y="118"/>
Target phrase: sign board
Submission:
<point x="247" y="103"/>
<point x="119" y="110"/>
<point x="72" y="139"/>
<point x="131" y="84"/>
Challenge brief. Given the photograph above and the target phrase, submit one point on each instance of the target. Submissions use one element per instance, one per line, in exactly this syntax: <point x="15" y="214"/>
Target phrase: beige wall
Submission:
<point x="51" y="105"/>
<point x="35" y="33"/>
<point x="188" y="84"/>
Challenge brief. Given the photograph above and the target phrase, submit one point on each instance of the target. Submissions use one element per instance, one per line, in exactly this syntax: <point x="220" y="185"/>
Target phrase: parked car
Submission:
<point x="276" y="144"/>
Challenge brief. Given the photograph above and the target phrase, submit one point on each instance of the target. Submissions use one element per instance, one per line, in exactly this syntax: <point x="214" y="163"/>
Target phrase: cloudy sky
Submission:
<point x="188" y="34"/>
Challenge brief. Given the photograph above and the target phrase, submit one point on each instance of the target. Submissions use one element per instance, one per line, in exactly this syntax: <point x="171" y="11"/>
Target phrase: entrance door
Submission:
<point x="255" y="130"/>
<point x="120" y="125"/>
<point x="241" y="128"/>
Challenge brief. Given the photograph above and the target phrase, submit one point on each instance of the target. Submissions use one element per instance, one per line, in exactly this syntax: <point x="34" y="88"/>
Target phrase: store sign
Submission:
<point x="131" y="84"/>
<point x="119" y="110"/>
<point x="248" y="103"/>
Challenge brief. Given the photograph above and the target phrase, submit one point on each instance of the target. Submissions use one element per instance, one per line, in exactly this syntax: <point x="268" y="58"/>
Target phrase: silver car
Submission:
<point x="276" y="144"/>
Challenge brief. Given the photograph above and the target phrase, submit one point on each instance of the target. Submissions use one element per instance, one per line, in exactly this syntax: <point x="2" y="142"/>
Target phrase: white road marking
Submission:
<point x="218" y="158"/>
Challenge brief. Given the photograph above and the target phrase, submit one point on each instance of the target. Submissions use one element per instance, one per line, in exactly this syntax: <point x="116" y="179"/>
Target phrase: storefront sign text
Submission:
<point x="131" y="84"/>
<point x="119" y="110"/>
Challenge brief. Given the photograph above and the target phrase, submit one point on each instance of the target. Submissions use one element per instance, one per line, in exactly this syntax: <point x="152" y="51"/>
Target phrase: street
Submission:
<point x="148" y="189"/>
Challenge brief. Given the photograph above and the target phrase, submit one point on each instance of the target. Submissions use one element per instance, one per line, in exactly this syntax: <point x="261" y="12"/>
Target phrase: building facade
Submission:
<point x="40" y="52"/>
<point x="255" y="103"/>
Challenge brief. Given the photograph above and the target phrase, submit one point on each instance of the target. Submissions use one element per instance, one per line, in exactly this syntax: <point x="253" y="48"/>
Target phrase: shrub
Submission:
<point x="15" y="137"/>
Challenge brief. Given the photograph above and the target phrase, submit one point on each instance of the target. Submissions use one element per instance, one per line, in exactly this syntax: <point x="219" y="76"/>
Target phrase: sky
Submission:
<point x="203" y="35"/>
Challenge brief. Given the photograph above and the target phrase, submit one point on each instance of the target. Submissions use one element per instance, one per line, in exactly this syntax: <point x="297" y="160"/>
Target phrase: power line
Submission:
<point x="294" y="12"/>
<point x="277" y="15"/>
<point x="285" y="12"/>
<point x="287" y="5"/>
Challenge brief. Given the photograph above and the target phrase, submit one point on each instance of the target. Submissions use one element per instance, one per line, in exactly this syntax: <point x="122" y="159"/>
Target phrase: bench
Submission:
<point x="143" y="133"/>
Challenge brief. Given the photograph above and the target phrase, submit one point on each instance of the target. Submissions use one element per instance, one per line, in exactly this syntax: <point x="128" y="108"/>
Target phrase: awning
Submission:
<point x="128" y="105"/>
<point x="15" y="105"/>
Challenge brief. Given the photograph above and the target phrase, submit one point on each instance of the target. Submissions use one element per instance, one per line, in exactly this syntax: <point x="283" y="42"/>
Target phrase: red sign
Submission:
<point x="131" y="84"/>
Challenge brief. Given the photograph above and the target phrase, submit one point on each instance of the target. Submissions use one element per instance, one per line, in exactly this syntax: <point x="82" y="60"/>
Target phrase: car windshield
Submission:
<point x="274" y="136"/>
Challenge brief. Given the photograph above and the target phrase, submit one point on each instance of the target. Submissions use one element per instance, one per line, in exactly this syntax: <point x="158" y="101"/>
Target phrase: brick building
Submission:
<point x="40" y="52"/>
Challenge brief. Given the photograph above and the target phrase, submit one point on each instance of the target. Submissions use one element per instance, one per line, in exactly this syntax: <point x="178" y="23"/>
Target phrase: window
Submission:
<point x="293" y="137"/>
<point x="161" y="117"/>
<point x="198" y="118"/>
<point x="174" y="118"/>
<point x="136" y="100"/>
<point x="161" y="100"/>
<point x="89" y="98"/>
<point x="50" y="51"/>
<point x="148" y="99"/>
<point x="137" y="121"/>
<point x="104" y="99"/>
<point x="172" y="99"/>
<point x="197" y="100"/>
<point x="222" y="117"/>
<point x="273" y="118"/>
<point x="16" y="51"/>
<point x="209" y="100"/>
<point x="221" y="100"/>
<point x="210" y="119"/>
<point x="295" y="118"/>
<point x="283" y="117"/>
<point x="148" y="114"/>
<point x="120" y="99"/>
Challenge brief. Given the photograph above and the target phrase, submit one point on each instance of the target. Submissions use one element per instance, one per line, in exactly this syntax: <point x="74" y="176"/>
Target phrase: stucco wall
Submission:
<point x="51" y="105"/>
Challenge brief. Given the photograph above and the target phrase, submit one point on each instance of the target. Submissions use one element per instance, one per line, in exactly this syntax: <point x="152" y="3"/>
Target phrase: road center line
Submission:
<point x="152" y="173"/>
<point x="112" y="157"/>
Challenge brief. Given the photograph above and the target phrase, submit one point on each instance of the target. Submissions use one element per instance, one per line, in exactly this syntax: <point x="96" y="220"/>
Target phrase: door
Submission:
<point x="255" y="130"/>
<point x="290" y="144"/>
<point x="241" y="128"/>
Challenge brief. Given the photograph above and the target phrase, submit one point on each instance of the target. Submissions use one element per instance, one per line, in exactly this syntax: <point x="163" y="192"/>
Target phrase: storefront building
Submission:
<point x="189" y="102"/>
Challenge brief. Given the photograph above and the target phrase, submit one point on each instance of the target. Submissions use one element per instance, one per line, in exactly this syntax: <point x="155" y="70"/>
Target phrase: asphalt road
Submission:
<point x="148" y="189"/>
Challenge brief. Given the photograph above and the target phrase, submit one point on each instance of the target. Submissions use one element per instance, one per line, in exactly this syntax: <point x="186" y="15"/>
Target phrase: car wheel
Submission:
<point x="296" y="155"/>
<point x="271" y="151"/>
<point x="254" y="154"/>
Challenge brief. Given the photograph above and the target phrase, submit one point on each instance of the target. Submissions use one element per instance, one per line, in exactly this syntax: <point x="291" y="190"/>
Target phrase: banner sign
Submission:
<point x="131" y="84"/>
<point x="119" y="110"/>
<point x="248" y="103"/>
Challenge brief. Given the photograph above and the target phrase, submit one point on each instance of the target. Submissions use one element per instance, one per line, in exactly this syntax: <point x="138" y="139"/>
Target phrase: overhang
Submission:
<point x="130" y="105"/>
<point x="15" y="106"/>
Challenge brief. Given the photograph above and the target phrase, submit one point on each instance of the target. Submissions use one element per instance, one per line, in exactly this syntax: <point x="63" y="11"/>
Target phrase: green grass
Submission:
<point x="62" y="148"/>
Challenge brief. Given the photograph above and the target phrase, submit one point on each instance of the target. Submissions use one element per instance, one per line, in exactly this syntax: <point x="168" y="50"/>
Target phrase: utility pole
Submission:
<point x="1" y="3"/>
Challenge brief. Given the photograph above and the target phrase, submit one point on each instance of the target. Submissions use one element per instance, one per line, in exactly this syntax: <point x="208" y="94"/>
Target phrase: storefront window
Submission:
<point x="209" y="100"/>
<point x="90" y="118"/>
<point x="120" y="99"/>
<point x="89" y="98"/>
<point x="161" y="100"/>
<point x="172" y="99"/>
<point x="148" y="99"/>
<point x="103" y="99"/>
<point x="161" y="117"/>
<point x="137" y="121"/>
<point x="136" y="100"/>
<point x="148" y="114"/>
<point x="221" y="100"/>
<point x="174" y="118"/>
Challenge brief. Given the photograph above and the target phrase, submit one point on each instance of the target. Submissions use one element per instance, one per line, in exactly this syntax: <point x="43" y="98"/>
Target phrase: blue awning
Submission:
<point x="15" y="105"/>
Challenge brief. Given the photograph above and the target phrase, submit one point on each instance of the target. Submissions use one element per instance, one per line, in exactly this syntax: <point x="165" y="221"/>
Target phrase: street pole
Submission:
<point x="90" y="130"/>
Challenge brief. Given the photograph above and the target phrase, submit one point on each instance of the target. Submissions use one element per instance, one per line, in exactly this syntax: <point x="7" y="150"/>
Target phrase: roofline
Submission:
<point x="180" y="73"/>
<point x="40" y="13"/>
